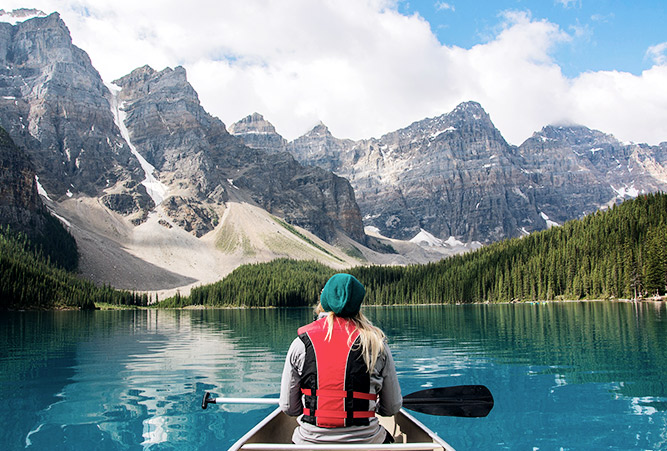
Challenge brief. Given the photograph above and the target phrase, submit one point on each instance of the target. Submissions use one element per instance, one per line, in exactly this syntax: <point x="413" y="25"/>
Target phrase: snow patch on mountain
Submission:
<point x="518" y="192"/>
<point x="42" y="192"/>
<point x="155" y="189"/>
<point x="40" y="189"/>
<point x="626" y="191"/>
<point x="453" y="242"/>
<point x="423" y="238"/>
<point x="549" y="222"/>
<point x="372" y="230"/>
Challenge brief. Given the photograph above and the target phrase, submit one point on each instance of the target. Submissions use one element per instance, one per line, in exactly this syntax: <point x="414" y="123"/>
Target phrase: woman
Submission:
<point x="339" y="372"/>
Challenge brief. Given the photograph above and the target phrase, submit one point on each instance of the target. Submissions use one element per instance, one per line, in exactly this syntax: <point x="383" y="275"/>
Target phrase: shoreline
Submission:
<point x="107" y="307"/>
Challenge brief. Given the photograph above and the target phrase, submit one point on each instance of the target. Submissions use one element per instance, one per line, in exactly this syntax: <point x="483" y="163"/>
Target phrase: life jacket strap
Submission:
<point x="341" y="394"/>
<point x="337" y="414"/>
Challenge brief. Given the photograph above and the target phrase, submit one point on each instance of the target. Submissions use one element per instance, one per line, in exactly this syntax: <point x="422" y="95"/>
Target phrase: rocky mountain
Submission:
<point x="133" y="165"/>
<point x="574" y="170"/>
<point x="20" y="204"/>
<point x="450" y="176"/>
<point x="320" y="148"/>
<point x="54" y="104"/>
<point x="455" y="177"/>
<point x="259" y="133"/>
<point x="22" y="210"/>
<point x="200" y="162"/>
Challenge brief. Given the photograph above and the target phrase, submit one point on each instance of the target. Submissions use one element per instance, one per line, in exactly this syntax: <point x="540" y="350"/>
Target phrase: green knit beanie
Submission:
<point x="342" y="295"/>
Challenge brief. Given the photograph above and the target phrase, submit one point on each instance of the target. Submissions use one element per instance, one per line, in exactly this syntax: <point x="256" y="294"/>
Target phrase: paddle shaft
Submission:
<point x="457" y="401"/>
<point x="273" y="401"/>
<point x="224" y="400"/>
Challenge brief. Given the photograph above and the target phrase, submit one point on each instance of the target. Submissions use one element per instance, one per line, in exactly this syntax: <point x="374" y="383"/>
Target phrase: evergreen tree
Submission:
<point x="30" y="280"/>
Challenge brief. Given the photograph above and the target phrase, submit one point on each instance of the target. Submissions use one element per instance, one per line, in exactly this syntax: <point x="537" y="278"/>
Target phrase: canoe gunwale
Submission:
<point x="436" y="442"/>
<point x="369" y="447"/>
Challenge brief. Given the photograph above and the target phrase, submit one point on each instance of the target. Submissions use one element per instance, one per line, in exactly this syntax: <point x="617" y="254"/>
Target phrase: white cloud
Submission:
<point x="568" y="3"/>
<point x="360" y="66"/>
<point x="658" y="53"/>
<point x="443" y="6"/>
<point x="633" y="108"/>
<point x="603" y="18"/>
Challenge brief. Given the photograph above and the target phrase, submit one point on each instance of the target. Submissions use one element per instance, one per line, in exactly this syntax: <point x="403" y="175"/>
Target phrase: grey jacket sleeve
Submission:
<point x="390" y="399"/>
<point x="290" y="389"/>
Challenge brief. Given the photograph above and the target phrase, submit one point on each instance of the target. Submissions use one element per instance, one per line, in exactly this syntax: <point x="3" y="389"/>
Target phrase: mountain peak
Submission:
<point x="470" y="105"/>
<point x="170" y="83"/>
<point x="258" y="133"/>
<point x="573" y="134"/>
<point x="254" y="123"/>
<point x="319" y="130"/>
<point x="256" y="117"/>
<point x="20" y="15"/>
<point x="146" y="72"/>
<point x="470" y="111"/>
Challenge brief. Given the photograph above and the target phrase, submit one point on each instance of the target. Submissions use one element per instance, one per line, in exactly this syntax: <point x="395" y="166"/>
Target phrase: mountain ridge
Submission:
<point x="559" y="173"/>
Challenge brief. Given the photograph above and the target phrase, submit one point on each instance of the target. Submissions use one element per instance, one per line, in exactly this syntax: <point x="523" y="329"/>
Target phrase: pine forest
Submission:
<point x="29" y="280"/>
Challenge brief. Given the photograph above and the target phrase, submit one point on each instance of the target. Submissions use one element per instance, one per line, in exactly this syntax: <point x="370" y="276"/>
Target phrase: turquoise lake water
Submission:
<point x="565" y="376"/>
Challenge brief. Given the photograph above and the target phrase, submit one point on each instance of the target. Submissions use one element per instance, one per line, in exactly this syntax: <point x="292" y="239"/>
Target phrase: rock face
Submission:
<point x="54" y="104"/>
<point x="448" y="175"/>
<point x="574" y="170"/>
<point x="196" y="157"/>
<point x="21" y="207"/>
<point x="259" y="133"/>
<point x="455" y="175"/>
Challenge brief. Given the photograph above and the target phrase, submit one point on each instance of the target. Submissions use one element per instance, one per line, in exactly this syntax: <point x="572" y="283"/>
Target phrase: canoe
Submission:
<point x="275" y="433"/>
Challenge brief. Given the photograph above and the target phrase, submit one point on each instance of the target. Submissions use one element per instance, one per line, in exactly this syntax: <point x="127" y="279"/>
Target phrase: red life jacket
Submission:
<point x="335" y="380"/>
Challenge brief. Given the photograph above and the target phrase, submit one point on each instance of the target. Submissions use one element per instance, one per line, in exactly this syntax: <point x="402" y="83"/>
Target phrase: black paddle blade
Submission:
<point x="206" y="400"/>
<point x="457" y="401"/>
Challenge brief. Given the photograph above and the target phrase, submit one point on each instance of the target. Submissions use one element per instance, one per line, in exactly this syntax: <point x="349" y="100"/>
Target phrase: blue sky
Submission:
<point x="370" y="67"/>
<point x="606" y="34"/>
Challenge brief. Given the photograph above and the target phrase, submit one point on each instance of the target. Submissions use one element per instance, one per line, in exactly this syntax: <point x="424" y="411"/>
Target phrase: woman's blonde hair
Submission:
<point x="372" y="338"/>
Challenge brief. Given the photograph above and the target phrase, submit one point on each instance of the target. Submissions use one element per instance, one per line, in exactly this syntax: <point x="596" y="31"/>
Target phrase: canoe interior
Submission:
<point x="277" y="429"/>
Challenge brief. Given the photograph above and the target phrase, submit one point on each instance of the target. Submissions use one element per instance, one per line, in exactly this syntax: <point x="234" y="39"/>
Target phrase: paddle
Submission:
<point x="472" y="401"/>
<point x="457" y="401"/>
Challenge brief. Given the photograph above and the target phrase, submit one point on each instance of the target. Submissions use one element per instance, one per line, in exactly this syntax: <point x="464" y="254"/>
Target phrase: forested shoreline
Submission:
<point x="620" y="253"/>
<point x="30" y="281"/>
